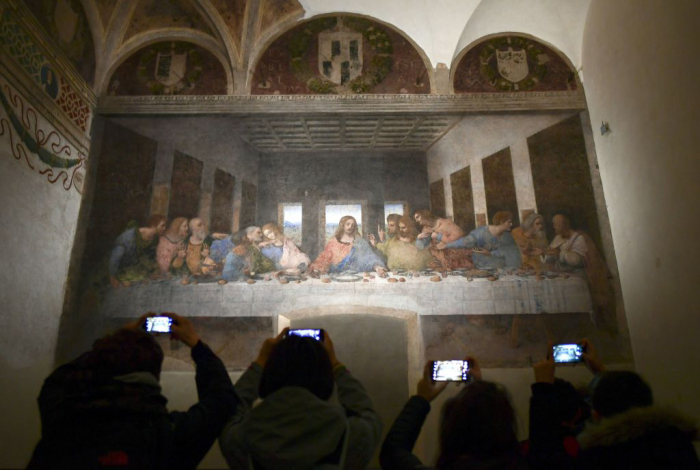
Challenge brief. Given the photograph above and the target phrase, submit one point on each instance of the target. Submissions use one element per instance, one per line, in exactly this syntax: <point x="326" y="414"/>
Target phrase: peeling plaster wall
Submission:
<point x="641" y="79"/>
<point x="38" y="226"/>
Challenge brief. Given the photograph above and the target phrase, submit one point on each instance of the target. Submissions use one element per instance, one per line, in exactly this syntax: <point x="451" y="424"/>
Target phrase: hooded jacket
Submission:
<point x="640" y="438"/>
<point x="91" y="422"/>
<point x="292" y="429"/>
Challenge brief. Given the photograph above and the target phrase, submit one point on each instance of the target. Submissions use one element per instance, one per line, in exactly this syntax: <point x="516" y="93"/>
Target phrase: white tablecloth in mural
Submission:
<point x="453" y="295"/>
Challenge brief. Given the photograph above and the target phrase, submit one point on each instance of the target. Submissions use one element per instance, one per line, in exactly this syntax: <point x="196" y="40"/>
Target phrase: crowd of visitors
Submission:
<point x="105" y="410"/>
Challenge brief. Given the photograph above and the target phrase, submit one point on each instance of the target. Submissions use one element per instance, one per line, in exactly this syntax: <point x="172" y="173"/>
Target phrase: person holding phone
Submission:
<point x="105" y="409"/>
<point x="477" y="428"/>
<point x="626" y="430"/>
<point x="295" y="426"/>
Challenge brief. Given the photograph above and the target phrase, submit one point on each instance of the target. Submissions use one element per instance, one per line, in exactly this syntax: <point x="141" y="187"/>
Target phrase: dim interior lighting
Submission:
<point x="605" y="128"/>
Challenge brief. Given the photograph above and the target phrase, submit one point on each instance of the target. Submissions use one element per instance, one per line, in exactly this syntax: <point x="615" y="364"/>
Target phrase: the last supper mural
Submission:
<point x="492" y="255"/>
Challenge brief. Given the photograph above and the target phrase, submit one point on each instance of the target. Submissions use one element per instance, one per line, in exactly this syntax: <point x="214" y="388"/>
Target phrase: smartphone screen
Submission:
<point x="158" y="324"/>
<point x="450" y="371"/>
<point x="567" y="353"/>
<point x="307" y="333"/>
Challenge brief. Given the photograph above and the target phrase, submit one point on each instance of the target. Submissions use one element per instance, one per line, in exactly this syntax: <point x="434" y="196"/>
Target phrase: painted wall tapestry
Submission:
<point x="512" y="63"/>
<point x="340" y="55"/>
<point x="65" y="22"/>
<point x="169" y="68"/>
<point x="21" y="48"/>
<point x="33" y="140"/>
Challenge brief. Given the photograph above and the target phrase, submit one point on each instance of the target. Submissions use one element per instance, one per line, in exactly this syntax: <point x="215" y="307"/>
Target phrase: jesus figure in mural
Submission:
<point x="348" y="251"/>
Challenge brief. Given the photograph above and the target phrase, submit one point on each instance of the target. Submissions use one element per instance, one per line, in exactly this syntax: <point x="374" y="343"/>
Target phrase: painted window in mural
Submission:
<point x="336" y="211"/>
<point x="393" y="208"/>
<point x="290" y="220"/>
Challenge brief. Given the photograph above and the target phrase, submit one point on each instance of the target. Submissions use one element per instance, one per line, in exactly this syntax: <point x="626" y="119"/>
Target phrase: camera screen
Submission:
<point x="308" y="333"/>
<point x="450" y="371"/>
<point x="158" y="324"/>
<point x="567" y="353"/>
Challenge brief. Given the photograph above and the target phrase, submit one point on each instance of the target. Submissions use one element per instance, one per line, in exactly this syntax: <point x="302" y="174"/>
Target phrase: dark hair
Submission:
<point x="572" y="407"/>
<point x="155" y="219"/>
<point x="478" y="423"/>
<point x="298" y="362"/>
<point x="619" y="391"/>
<point x="393" y="218"/>
<point x="126" y="351"/>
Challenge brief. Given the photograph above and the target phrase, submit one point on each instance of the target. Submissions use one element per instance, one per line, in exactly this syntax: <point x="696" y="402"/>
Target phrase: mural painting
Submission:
<point x="275" y="11"/>
<point x="169" y="68"/>
<point x="340" y="55"/>
<point x="65" y="22"/>
<point x="233" y="14"/>
<point x="512" y="63"/>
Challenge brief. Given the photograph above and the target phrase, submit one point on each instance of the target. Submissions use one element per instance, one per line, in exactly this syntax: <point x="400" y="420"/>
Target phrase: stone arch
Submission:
<point x="286" y="27"/>
<point x="562" y="63"/>
<point x="140" y="42"/>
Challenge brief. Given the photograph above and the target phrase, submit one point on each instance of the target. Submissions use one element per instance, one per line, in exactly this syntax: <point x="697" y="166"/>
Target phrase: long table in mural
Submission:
<point x="451" y="295"/>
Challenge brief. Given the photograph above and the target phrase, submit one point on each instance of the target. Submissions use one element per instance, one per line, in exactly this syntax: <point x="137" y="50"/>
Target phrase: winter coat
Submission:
<point x="293" y="429"/>
<point x="640" y="438"/>
<point x="398" y="445"/>
<point x="93" y="422"/>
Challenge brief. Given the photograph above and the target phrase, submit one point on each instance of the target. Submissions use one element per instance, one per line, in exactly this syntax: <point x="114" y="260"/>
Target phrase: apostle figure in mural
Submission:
<point x="392" y="229"/>
<point x="573" y="250"/>
<point x="171" y="251"/>
<point x="133" y="257"/>
<point x="246" y="259"/>
<point x="437" y="230"/>
<point x="348" y="251"/>
<point x="492" y="246"/>
<point x="401" y="251"/>
<point x="282" y="251"/>
<point x="532" y="241"/>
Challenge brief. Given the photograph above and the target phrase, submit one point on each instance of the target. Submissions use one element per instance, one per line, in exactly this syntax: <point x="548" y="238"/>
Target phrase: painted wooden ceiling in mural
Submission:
<point x="512" y="63"/>
<point x="340" y="55"/>
<point x="170" y="68"/>
<point x="66" y="24"/>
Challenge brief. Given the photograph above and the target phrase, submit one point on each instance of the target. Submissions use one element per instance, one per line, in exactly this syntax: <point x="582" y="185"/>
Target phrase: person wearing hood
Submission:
<point x="627" y="430"/>
<point x="105" y="409"/>
<point x="295" y="426"/>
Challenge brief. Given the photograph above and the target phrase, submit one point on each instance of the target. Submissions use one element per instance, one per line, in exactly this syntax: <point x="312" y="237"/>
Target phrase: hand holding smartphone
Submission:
<point x="450" y="371"/>
<point x="158" y="324"/>
<point x="567" y="353"/>
<point x="316" y="334"/>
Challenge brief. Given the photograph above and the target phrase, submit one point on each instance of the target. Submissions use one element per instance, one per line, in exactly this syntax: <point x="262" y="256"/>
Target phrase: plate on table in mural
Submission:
<point x="347" y="276"/>
<point x="550" y="274"/>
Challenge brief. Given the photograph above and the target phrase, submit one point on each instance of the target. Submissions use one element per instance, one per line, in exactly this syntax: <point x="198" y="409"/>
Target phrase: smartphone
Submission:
<point x="567" y="353"/>
<point x="158" y="324"/>
<point x="307" y="333"/>
<point x="450" y="371"/>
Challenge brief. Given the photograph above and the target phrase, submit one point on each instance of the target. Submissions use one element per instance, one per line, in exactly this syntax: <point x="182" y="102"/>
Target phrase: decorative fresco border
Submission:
<point x="32" y="139"/>
<point x="21" y="47"/>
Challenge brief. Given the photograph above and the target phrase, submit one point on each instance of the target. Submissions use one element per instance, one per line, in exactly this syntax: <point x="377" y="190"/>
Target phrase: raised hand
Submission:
<point x="590" y="357"/>
<point x="183" y="329"/>
<point x="428" y="389"/>
<point x="544" y="370"/>
<point x="382" y="234"/>
<point x="205" y="250"/>
<point x="268" y="346"/>
<point x="330" y="349"/>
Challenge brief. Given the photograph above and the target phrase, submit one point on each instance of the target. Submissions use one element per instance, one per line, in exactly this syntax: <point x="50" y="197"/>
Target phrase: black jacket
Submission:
<point x="639" y="439"/>
<point x="123" y="422"/>
<point x="397" y="448"/>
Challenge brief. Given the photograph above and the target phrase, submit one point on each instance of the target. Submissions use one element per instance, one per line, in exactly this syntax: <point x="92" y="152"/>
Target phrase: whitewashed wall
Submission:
<point x="640" y="61"/>
<point x="37" y="230"/>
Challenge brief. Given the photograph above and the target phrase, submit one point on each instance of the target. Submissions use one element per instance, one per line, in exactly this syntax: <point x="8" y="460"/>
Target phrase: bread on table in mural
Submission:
<point x="340" y="55"/>
<point x="169" y="68"/>
<point x="66" y="23"/>
<point x="512" y="63"/>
